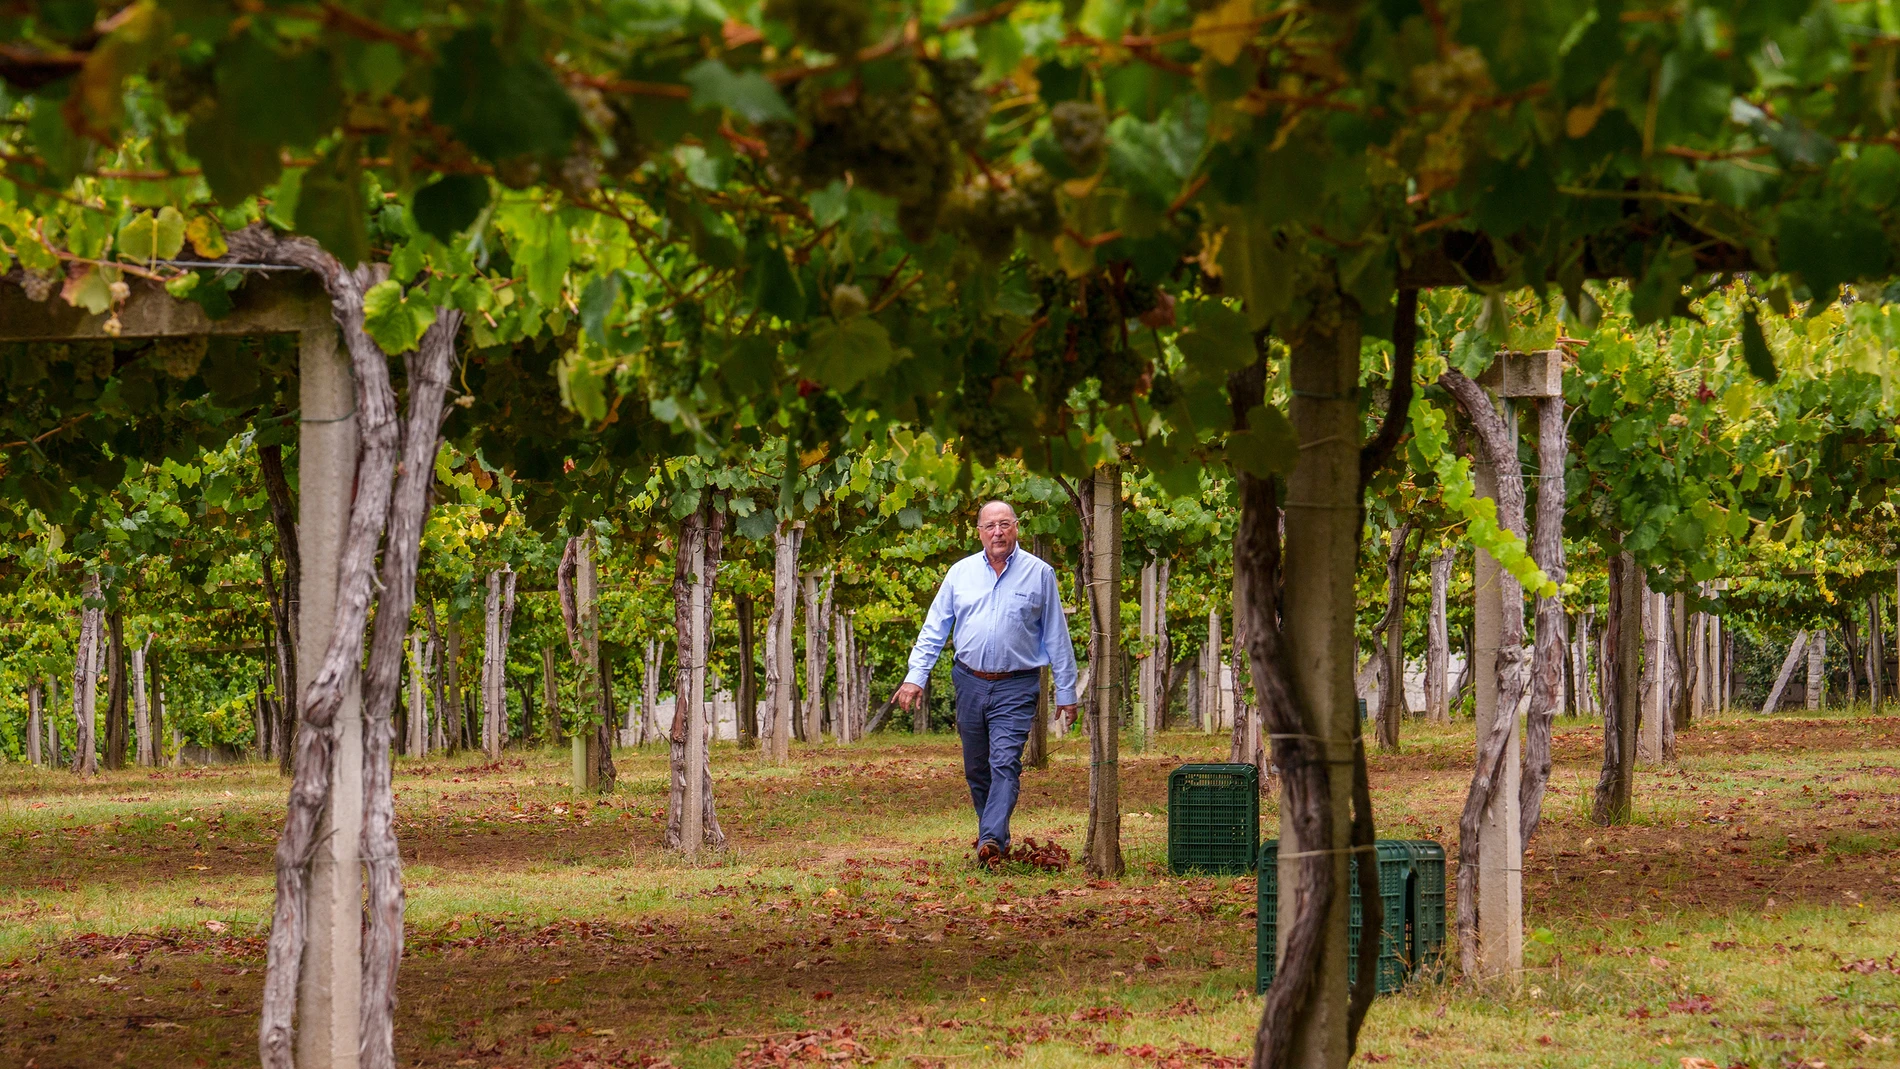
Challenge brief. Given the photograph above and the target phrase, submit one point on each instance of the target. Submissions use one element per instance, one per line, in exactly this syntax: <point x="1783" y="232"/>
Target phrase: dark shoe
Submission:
<point x="990" y="856"/>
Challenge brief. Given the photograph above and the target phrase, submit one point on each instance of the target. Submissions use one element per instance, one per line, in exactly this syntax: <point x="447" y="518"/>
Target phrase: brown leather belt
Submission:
<point x="998" y="677"/>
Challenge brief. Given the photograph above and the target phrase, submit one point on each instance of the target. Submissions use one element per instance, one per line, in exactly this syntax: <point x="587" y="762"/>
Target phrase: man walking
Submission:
<point x="1006" y="612"/>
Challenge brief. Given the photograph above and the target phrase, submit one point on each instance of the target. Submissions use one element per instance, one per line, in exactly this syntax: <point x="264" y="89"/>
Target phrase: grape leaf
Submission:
<point x="275" y="97"/>
<point x="1761" y="359"/>
<point x="449" y="205"/>
<point x="1219" y="343"/>
<point x="92" y="290"/>
<point x="1223" y="31"/>
<point x="597" y="301"/>
<point x="775" y="285"/>
<point x="544" y="255"/>
<point x="330" y="204"/>
<point x="757" y="525"/>
<point x="1253" y="268"/>
<point x="206" y="237"/>
<point x="841" y="355"/>
<point x="1267" y="447"/>
<point x="150" y="236"/>
<point x="750" y="95"/>
<point x="234" y="165"/>
<point x="96" y="105"/>
<point x="1827" y="246"/>
<point x="501" y="105"/>
<point x="584" y="386"/>
<point x="395" y="321"/>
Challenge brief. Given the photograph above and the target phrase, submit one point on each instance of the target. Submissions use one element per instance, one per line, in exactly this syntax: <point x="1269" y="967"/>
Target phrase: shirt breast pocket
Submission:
<point x="1025" y="608"/>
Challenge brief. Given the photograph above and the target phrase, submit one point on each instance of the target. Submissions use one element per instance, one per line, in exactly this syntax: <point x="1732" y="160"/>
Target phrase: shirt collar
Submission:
<point x="984" y="556"/>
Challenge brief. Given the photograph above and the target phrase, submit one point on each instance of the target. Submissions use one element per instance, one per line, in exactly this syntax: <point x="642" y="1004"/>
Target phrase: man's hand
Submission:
<point x="1066" y="713"/>
<point x="909" y="697"/>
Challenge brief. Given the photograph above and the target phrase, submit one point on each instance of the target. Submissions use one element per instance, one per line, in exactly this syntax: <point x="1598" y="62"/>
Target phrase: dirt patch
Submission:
<point x="896" y="940"/>
<point x="633" y="990"/>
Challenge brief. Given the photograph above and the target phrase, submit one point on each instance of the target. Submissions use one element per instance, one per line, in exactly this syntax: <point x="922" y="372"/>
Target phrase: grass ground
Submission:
<point x="1747" y="917"/>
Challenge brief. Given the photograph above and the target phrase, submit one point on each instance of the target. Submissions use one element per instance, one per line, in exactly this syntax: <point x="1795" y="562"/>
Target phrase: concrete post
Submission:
<point x="1146" y="685"/>
<point x="1500" y="857"/>
<point x="1649" y="739"/>
<point x="586" y="753"/>
<point x="1817" y="668"/>
<point x="1322" y="551"/>
<point x="1212" y="715"/>
<point x="692" y="808"/>
<point x="328" y="992"/>
<point x="1718" y="701"/>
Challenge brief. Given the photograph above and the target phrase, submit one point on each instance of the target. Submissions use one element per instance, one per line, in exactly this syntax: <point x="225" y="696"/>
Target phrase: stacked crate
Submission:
<point x="1213" y="818"/>
<point x="1412" y="886"/>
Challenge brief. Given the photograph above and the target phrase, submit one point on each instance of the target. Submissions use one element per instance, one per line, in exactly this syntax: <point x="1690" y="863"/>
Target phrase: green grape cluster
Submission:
<point x="987" y="212"/>
<point x="1088" y="336"/>
<point x="964" y="105"/>
<point x="518" y="172"/>
<point x="90" y="359"/>
<point x="848" y="301"/>
<point x="179" y="357"/>
<point x="991" y="413"/>
<point x="38" y="286"/>
<point x="1081" y="132"/>
<point x="889" y="142"/>
<point x="835" y="26"/>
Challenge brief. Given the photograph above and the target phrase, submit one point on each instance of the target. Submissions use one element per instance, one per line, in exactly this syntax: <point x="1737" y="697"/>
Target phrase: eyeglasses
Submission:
<point x="997" y="525"/>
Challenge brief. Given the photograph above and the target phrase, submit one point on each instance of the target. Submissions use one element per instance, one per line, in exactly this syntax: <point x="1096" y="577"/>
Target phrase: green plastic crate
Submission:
<point x="1213" y="818"/>
<point x="1427" y="916"/>
<point x="1412" y="885"/>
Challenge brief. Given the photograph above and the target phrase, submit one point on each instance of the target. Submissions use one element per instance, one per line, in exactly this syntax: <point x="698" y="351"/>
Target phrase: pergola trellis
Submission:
<point x="281" y="302"/>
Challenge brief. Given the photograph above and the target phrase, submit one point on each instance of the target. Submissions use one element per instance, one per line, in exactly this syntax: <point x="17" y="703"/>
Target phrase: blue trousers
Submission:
<point x="994" y="719"/>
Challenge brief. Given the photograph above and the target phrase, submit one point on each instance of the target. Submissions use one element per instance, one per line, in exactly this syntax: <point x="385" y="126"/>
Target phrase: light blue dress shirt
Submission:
<point x="1002" y="623"/>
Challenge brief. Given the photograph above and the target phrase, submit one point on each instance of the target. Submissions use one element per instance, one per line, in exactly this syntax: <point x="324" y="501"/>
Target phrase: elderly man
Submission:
<point x="1004" y="608"/>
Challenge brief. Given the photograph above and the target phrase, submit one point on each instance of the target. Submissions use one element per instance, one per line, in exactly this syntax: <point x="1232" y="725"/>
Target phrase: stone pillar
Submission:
<point x="328" y="992"/>
<point x="1500" y="856"/>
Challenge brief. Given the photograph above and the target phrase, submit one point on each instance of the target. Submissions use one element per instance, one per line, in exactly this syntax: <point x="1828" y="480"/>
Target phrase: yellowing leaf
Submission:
<point x="1223" y="32"/>
<point x="1582" y="119"/>
<point x="1076" y="258"/>
<point x="92" y="290"/>
<point x="206" y="237"/>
